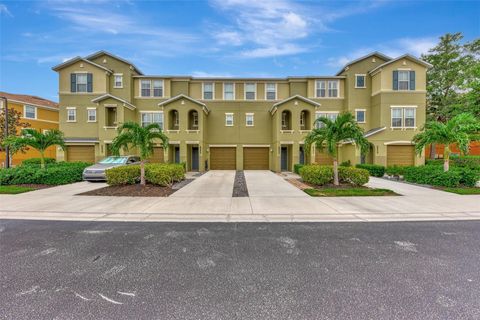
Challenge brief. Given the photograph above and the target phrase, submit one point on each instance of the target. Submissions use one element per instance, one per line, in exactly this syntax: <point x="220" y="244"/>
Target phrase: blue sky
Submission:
<point x="217" y="37"/>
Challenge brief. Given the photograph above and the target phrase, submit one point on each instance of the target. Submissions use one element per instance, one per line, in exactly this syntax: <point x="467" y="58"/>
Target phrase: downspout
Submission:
<point x="7" y="151"/>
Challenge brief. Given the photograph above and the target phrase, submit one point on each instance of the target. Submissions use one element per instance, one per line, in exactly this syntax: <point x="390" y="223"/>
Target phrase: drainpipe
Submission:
<point x="7" y="151"/>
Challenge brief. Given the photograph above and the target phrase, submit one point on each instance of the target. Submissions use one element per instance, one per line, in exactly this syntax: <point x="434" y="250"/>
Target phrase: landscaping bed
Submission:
<point x="461" y="190"/>
<point x="131" y="190"/>
<point x="348" y="191"/>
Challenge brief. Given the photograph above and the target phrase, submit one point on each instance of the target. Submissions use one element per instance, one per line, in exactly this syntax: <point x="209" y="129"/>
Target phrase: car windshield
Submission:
<point x="114" y="160"/>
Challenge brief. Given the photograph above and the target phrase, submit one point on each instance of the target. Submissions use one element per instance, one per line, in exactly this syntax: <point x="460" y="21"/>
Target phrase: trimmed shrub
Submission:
<point x="355" y="176"/>
<point x="164" y="174"/>
<point x="36" y="161"/>
<point x="395" y="170"/>
<point x="472" y="162"/>
<point x="297" y="167"/>
<point x="316" y="174"/>
<point x="54" y="174"/>
<point x="434" y="175"/>
<point x="375" y="170"/>
<point x="346" y="164"/>
<point x="123" y="175"/>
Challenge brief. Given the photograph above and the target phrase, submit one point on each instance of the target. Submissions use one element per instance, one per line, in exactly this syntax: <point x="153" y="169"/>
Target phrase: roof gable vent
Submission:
<point x="104" y="60"/>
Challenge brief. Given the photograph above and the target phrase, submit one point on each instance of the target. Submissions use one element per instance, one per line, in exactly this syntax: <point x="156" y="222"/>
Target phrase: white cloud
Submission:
<point x="4" y="11"/>
<point x="287" y="49"/>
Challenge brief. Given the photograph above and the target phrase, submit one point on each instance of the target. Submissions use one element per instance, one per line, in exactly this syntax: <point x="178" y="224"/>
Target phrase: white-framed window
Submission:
<point x="158" y="88"/>
<point x="360" y="81"/>
<point x="271" y="91"/>
<point x="403" y="80"/>
<point x="195" y="119"/>
<point x="403" y="117"/>
<point x="91" y="114"/>
<point x="71" y="114"/>
<point x="81" y="82"/>
<point x="333" y="88"/>
<point x="249" y="121"/>
<point x="145" y="88"/>
<point x="330" y="115"/>
<point x="303" y="117"/>
<point x="360" y="115"/>
<point x="176" y="119"/>
<point x="320" y="88"/>
<point x="118" y="80"/>
<point x="30" y="112"/>
<point x="229" y="119"/>
<point x="250" y="91"/>
<point x="228" y="91"/>
<point x="208" y="90"/>
<point x="152" y="117"/>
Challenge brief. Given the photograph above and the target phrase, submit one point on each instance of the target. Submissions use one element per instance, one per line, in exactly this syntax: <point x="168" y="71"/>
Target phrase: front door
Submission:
<point x="177" y="154"/>
<point x="284" y="159"/>
<point x="301" y="156"/>
<point x="195" y="158"/>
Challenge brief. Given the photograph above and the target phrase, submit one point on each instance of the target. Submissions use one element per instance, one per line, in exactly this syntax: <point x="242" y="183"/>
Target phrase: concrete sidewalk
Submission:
<point x="272" y="198"/>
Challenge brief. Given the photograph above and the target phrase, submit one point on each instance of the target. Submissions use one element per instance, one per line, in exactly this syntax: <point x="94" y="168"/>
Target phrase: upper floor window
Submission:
<point x="250" y="91"/>
<point x="30" y="112"/>
<point x="91" y="115"/>
<point x="208" y="90"/>
<point x="158" y="88"/>
<point x="333" y="88"/>
<point x="145" y="86"/>
<point x="321" y="88"/>
<point x="249" y="119"/>
<point x="403" y="117"/>
<point x="360" y="81"/>
<point x="330" y="115"/>
<point x="195" y="120"/>
<point x="229" y="119"/>
<point x="302" y="119"/>
<point x="71" y="114"/>
<point x="360" y="115"/>
<point x="403" y="80"/>
<point x="152" y="117"/>
<point x="271" y="91"/>
<point x="118" y="81"/>
<point x="81" y="82"/>
<point x="228" y="91"/>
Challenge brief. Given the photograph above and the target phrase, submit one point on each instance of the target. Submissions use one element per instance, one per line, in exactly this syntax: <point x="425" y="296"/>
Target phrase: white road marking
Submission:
<point x="81" y="297"/>
<point x="109" y="300"/>
<point x="131" y="294"/>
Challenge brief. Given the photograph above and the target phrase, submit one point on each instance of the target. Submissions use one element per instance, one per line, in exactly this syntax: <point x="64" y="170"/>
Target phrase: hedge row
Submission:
<point x="163" y="174"/>
<point x="37" y="161"/>
<point x="53" y="174"/>
<point x="375" y="170"/>
<point x="322" y="175"/>
<point x="472" y="162"/>
<point x="435" y="176"/>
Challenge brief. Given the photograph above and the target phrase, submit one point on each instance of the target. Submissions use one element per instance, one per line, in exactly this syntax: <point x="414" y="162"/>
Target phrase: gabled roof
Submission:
<point x="373" y="131"/>
<point x="297" y="96"/>
<point x="76" y="59"/>
<point x="375" y="53"/>
<point x="28" y="99"/>
<point x="108" y="95"/>
<point x="103" y="52"/>
<point x="183" y="96"/>
<point x="405" y="56"/>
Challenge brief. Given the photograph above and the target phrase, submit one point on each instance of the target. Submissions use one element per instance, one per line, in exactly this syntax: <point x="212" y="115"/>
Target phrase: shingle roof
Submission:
<point x="29" y="99"/>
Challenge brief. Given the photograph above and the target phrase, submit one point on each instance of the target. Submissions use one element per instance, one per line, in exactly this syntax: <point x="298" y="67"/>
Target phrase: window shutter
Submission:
<point x="395" y="80"/>
<point x="73" y="82"/>
<point x="412" y="80"/>
<point x="89" y="83"/>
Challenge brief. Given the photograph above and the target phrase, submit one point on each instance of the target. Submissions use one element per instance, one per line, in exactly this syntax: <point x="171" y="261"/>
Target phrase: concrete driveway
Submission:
<point x="262" y="183"/>
<point x="214" y="183"/>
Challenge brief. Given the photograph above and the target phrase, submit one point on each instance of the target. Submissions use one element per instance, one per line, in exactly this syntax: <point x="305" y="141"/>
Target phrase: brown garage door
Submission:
<point x="323" y="158"/>
<point x="157" y="156"/>
<point x="81" y="153"/>
<point x="400" y="155"/>
<point x="223" y="158"/>
<point x="255" y="158"/>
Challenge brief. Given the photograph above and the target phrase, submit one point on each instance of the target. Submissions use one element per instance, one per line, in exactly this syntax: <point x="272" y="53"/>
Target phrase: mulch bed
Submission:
<point x="240" y="185"/>
<point x="131" y="190"/>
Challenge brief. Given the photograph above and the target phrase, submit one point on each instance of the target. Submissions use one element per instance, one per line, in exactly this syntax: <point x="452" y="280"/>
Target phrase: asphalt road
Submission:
<point x="89" y="270"/>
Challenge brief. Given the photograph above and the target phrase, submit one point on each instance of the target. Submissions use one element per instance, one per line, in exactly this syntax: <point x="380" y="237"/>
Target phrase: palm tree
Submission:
<point x="133" y="135"/>
<point x="460" y="130"/>
<point x="329" y="135"/>
<point x="36" y="140"/>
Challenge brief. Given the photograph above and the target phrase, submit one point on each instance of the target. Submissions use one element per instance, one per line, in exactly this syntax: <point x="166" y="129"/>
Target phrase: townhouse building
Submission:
<point x="243" y="123"/>
<point x="41" y="114"/>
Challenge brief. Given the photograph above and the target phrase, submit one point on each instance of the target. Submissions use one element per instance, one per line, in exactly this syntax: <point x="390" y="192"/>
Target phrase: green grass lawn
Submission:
<point x="349" y="192"/>
<point x="462" y="190"/>
<point x="14" y="189"/>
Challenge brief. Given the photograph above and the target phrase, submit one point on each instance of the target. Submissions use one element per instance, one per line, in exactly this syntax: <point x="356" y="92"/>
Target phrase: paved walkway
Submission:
<point x="272" y="198"/>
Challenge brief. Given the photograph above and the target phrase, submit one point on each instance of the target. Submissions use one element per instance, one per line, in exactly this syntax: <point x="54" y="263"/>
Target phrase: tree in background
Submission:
<point x="36" y="140"/>
<point x="460" y="130"/>
<point x="453" y="82"/>
<point x="14" y="123"/>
